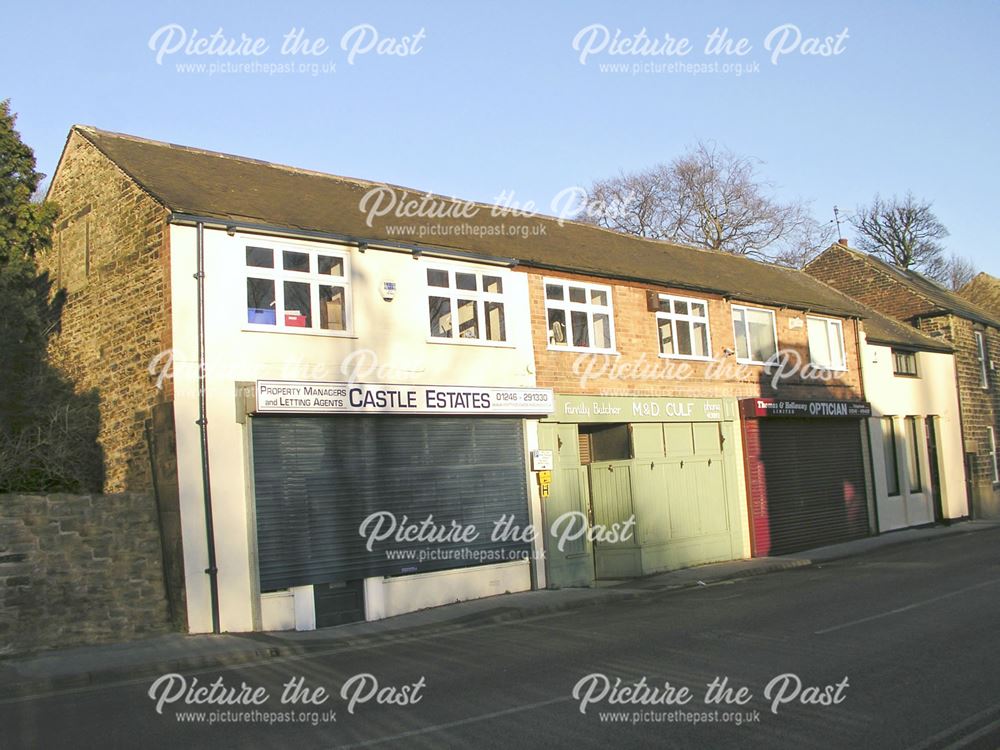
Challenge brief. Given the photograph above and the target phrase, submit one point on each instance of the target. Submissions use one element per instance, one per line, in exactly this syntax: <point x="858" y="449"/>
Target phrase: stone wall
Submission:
<point x="110" y="253"/>
<point x="79" y="569"/>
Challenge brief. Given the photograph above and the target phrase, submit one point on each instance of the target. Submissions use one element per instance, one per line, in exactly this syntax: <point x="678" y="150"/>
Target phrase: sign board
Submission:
<point x="773" y="407"/>
<point x="637" y="409"/>
<point x="288" y="396"/>
<point x="541" y="460"/>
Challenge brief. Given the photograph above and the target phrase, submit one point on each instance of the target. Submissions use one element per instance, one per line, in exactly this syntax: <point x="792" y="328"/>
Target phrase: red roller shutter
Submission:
<point x="807" y="483"/>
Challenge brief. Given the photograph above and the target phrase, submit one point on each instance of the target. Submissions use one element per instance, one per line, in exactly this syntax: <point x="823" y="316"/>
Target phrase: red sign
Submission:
<point x="775" y="407"/>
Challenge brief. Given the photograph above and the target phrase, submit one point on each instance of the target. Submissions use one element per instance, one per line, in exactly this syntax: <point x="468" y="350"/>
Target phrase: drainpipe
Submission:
<point x="212" y="571"/>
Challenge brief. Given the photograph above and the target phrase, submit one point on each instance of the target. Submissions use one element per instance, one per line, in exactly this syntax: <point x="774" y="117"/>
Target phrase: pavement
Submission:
<point x="51" y="671"/>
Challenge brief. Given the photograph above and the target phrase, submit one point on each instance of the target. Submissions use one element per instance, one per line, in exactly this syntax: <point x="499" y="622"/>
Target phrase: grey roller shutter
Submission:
<point x="318" y="478"/>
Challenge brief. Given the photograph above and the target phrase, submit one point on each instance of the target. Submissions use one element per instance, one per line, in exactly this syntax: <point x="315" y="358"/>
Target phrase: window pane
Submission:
<point x="330" y="266"/>
<point x="298" y="306"/>
<point x="437" y="278"/>
<point x="599" y="297"/>
<point x="496" y="325"/>
<point x="665" y="306"/>
<point x="837" y="346"/>
<point x="581" y="329"/>
<point x="666" y="337"/>
<point x="739" y="331"/>
<point x="683" y="337"/>
<point x="261" y="257"/>
<point x="889" y="451"/>
<point x="819" y="342"/>
<point x="762" y="344"/>
<point x="577" y="294"/>
<point x="468" y="323"/>
<point x="913" y="454"/>
<point x="553" y="291"/>
<point x="440" y="312"/>
<point x="602" y="331"/>
<point x="295" y="261"/>
<point x="698" y="309"/>
<point x="557" y="327"/>
<point x="466" y="281"/>
<point x="260" y="301"/>
<point x="332" y="308"/>
<point x="699" y="339"/>
<point x="493" y="284"/>
<point x="680" y="307"/>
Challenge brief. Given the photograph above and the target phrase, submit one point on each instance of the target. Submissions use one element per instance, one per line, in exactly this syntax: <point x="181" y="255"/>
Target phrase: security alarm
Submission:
<point x="388" y="290"/>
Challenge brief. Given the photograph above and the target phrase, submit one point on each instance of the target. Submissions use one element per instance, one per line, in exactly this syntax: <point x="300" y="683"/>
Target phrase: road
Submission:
<point x="903" y="645"/>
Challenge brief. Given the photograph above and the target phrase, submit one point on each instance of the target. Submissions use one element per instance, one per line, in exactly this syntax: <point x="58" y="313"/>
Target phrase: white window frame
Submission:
<point x="590" y="308"/>
<point x="905" y="353"/>
<point x="832" y="324"/>
<point x="984" y="381"/>
<point x="993" y="455"/>
<point x="746" y="331"/>
<point x="674" y="318"/>
<point x="453" y="294"/>
<point x="278" y="275"/>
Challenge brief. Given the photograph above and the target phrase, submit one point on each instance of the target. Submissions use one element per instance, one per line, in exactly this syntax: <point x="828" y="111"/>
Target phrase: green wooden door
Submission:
<point x="573" y="565"/>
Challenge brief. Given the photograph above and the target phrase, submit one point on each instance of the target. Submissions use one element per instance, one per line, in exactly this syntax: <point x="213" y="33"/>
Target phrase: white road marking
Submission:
<point x="907" y="608"/>
<point x="459" y="723"/>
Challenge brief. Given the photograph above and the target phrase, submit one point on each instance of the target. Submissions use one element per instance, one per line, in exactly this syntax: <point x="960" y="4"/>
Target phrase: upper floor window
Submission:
<point x="295" y="288"/>
<point x="682" y="323"/>
<point x="904" y="363"/>
<point x="981" y="356"/>
<point x="826" y="343"/>
<point x="466" y="305"/>
<point x="579" y="315"/>
<point x="756" y="334"/>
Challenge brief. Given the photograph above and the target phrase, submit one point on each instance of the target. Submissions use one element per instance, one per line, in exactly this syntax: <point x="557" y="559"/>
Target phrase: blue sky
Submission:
<point x="496" y="98"/>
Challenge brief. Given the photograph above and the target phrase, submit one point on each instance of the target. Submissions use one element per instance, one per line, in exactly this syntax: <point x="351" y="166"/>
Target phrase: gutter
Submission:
<point x="212" y="570"/>
<point x="416" y="249"/>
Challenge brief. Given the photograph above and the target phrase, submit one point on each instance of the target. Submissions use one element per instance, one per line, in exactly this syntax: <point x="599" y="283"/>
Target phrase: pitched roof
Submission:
<point x="984" y="291"/>
<point x="240" y="190"/>
<point x="880" y="329"/>
<point x="944" y="300"/>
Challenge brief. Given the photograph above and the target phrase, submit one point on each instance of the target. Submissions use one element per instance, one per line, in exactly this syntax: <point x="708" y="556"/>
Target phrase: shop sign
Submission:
<point x="772" y="407"/>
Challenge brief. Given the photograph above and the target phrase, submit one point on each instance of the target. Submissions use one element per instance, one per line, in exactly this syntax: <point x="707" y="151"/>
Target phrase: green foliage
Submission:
<point x="48" y="432"/>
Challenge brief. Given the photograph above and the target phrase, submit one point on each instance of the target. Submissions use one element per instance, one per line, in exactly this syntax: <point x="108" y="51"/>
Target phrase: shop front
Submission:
<point x="372" y="499"/>
<point x="807" y="477"/>
<point x="666" y="468"/>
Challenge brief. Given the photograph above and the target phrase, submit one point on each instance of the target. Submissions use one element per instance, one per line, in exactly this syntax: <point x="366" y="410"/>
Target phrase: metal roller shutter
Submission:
<point x="807" y="483"/>
<point x="318" y="478"/>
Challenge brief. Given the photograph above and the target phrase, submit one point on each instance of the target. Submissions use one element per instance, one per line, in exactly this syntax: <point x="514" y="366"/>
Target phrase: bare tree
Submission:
<point x="953" y="272"/>
<point x="903" y="232"/>
<point x="708" y="197"/>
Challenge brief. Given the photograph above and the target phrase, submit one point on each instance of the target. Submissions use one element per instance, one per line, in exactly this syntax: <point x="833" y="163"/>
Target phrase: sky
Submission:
<point x="530" y="99"/>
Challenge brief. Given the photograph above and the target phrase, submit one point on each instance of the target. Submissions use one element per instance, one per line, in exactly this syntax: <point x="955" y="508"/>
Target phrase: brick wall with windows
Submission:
<point x="110" y="252"/>
<point x="638" y="369"/>
<point x="980" y="407"/>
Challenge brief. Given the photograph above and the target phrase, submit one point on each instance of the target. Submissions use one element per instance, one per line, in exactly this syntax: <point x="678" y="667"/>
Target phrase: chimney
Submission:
<point x="842" y="242"/>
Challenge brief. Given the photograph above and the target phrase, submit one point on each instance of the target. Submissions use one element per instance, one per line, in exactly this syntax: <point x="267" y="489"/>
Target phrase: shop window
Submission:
<point x="889" y="451"/>
<point x="981" y="356"/>
<point x="904" y="364"/>
<point x="579" y="316"/>
<point x="913" y="454"/>
<point x="756" y="335"/>
<point x="468" y="306"/>
<point x="297" y="289"/>
<point x="826" y="343"/>
<point x="682" y="324"/>
<point x="605" y="443"/>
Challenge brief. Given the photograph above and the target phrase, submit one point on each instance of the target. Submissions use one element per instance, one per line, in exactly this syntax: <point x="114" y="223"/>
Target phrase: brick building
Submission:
<point x="295" y="349"/>
<point x="971" y="330"/>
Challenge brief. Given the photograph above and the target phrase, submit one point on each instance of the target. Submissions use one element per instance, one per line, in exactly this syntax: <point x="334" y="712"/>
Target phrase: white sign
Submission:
<point x="390" y="398"/>
<point x="541" y="460"/>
